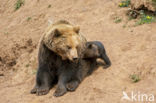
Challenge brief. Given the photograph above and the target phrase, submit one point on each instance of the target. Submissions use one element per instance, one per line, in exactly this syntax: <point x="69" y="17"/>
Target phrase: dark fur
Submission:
<point x="68" y="73"/>
<point x="48" y="63"/>
<point x="52" y="68"/>
<point x="95" y="49"/>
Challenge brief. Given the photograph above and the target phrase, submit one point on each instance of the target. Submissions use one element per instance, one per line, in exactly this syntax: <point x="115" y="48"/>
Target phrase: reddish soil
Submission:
<point x="132" y="50"/>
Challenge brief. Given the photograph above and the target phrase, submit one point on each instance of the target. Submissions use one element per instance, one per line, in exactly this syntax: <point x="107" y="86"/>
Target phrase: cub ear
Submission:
<point x="89" y="46"/>
<point x="76" y="29"/>
<point x="57" y="33"/>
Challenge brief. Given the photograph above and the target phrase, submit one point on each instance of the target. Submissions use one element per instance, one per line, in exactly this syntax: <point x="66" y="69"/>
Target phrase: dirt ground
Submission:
<point x="131" y="49"/>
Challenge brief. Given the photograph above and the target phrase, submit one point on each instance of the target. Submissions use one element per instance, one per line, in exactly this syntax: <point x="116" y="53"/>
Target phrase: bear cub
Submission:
<point x="95" y="49"/>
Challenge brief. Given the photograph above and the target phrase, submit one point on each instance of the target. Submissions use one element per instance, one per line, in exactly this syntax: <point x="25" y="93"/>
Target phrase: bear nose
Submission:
<point x="75" y="58"/>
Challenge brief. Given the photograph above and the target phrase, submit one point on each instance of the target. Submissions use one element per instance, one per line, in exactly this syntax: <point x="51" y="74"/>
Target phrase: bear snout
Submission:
<point x="73" y="54"/>
<point x="74" y="58"/>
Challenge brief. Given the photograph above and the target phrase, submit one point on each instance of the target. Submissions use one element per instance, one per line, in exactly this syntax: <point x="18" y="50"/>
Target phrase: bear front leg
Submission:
<point x="106" y="60"/>
<point x="61" y="88"/>
<point x="43" y="81"/>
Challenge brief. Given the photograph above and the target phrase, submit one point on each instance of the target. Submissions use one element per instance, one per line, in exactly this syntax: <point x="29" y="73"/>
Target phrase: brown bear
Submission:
<point x="60" y="59"/>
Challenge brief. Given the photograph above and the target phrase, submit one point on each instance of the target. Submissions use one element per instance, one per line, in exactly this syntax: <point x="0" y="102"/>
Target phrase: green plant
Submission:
<point x="124" y="3"/>
<point x="29" y="18"/>
<point x="27" y="65"/>
<point x="117" y="20"/>
<point x="145" y="19"/>
<point x="124" y="26"/>
<point x="18" y="4"/>
<point x="135" y="78"/>
<point x="49" y="6"/>
<point x="154" y="3"/>
<point x="34" y="71"/>
<point x="6" y="33"/>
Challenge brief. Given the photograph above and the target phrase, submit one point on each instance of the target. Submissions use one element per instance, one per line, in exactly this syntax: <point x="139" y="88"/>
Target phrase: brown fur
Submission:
<point x="62" y="37"/>
<point x="59" y="46"/>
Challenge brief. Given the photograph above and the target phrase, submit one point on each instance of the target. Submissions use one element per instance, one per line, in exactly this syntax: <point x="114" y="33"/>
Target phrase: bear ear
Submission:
<point x="57" y="33"/>
<point x="89" y="46"/>
<point x="76" y="29"/>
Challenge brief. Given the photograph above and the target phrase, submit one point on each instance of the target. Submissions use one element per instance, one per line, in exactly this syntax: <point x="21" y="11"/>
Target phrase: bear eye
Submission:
<point x="69" y="47"/>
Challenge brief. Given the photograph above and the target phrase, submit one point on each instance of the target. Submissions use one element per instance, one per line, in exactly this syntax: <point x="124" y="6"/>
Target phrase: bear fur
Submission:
<point x="60" y="59"/>
<point x="88" y="63"/>
<point x="64" y="39"/>
<point x="95" y="49"/>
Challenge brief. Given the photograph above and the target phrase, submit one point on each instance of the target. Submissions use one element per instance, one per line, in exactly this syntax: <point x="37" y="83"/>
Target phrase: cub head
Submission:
<point x="65" y="41"/>
<point x="91" y="51"/>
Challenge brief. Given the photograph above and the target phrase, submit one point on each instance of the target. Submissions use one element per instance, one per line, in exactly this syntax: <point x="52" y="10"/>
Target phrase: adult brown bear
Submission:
<point x="59" y="58"/>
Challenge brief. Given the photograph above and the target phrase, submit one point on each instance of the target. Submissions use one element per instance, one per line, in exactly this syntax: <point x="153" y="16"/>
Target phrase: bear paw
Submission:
<point x="71" y="86"/>
<point x="59" y="92"/>
<point x="40" y="91"/>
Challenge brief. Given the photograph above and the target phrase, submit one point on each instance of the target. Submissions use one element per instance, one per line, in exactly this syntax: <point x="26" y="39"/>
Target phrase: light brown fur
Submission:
<point x="69" y="43"/>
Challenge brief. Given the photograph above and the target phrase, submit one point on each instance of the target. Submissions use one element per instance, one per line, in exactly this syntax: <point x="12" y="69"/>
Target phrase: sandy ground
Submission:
<point x="132" y="50"/>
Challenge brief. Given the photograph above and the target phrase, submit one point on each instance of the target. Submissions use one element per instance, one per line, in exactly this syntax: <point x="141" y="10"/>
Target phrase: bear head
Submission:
<point x="65" y="40"/>
<point x="92" y="51"/>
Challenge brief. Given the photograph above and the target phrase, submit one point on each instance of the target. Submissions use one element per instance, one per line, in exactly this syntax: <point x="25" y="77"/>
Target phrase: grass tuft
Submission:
<point x="6" y="33"/>
<point x="124" y="3"/>
<point x="29" y="18"/>
<point x="117" y="20"/>
<point x="135" y="78"/>
<point x="34" y="71"/>
<point x="27" y="65"/>
<point x="145" y="19"/>
<point x="18" y="4"/>
<point x="49" y="6"/>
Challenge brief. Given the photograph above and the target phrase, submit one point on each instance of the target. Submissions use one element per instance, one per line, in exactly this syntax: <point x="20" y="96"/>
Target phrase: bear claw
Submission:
<point x="71" y="86"/>
<point x="33" y="91"/>
<point x="39" y="91"/>
<point x="42" y="91"/>
<point x="59" y="92"/>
